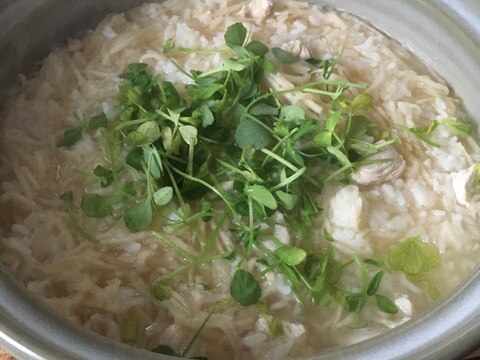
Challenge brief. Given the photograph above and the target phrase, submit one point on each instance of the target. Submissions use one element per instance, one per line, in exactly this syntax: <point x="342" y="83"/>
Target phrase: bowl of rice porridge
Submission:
<point x="244" y="179"/>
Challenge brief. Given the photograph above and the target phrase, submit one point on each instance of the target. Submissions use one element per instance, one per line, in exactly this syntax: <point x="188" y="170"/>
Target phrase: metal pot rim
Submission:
<point x="445" y="34"/>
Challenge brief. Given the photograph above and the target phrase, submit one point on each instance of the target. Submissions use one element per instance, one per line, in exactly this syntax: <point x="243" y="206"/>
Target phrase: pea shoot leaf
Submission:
<point x="375" y="283"/>
<point x="262" y="195"/>
<point x="150" y="131"/>
<point x="257" y="48"/>
<point x="98" y="206"/>
<point x="229" y="64"/>
<point x="153" y="160"/>
<point x="358" y="127"/>
<point x="70" y="137"/>
<point x="137" y="68"/>
<point x="413" y="256"/>
<point x="458" y="127"/>
<point x="163" y="196"/>
<point x="207" y="116"/>
<point x="290" y="255"/>
<point x="135" y="138"/>
<point x="134" y="158"/>
<point x="98" y="121"/>
<point x="189" y="134"/>
<point x="267" y="66"/>
<point x="293" y="113"/>
<point x="171" y="99"/>
<point x="284" y="56"/>
<point x="244" y="288"/>
<point x="240" y="51"/>
<point x="341" y="157"/>
<point x="105" y="176"/>
<point x="138" y="217"/>
<point x="386" y="304"/>
<point x="423" y="132"/>
<point x="249" y="132"/>
<point x="323" y="139"/>
<point x="332" y="120"/>
<point x="264" y="109"/>
<point x="203" y="92"/>
<point x="169" y="45"/>
<point x="235" y="34"/>
<point x="289" y="201"/>
<point x="361" y="101"/>
<point x="354" y="302"/>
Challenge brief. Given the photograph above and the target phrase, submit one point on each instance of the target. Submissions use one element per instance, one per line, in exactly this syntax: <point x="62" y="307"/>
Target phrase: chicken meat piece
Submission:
<point x="462" y="183"/>
<point x="297" y="48"/>
<point x="257" y="9"/>
<point x="378" y="173"/>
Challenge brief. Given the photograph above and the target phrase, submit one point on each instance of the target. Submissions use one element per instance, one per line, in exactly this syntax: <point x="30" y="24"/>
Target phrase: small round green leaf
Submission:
<point x="386" y="304"/>
<point x="138" y="217"/>
<point x="150" y="131"/>
<point x="163" y="196"/>
<point x="291" y="255"/>
<point x="189" y="134"/>
<point x="98" y="206"/>
<point x="284" y="56"/>
<point x="161" y="290"/>
<point x="235" y="34"/>
<point x="70" y="137"/>
<point x="262" y="195"/>
<point x="244" y="288"/>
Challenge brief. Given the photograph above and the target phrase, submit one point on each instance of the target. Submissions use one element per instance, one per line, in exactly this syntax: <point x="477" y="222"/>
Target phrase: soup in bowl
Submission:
<point x="237" y="179"/>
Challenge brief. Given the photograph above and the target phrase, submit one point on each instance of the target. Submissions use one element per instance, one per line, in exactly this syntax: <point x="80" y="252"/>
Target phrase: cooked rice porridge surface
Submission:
<point x="100" y="286"/>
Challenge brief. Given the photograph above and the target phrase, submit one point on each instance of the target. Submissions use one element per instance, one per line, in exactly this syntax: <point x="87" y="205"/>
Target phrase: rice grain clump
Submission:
<point x="343" y="279"/>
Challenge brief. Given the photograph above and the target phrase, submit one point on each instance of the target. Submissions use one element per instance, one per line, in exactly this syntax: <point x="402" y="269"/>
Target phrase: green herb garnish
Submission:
<point x="68" y="197"/>
<point x="412" y="256"/>
<point x="424" y="132"/>
<point x="386" y="304"/>
<point x="70" y="137"/>
<point x="230" y="146"/>
<point x="244" y="288"/>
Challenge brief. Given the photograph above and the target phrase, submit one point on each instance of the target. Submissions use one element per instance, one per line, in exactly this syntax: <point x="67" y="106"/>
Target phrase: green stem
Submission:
<point x="170" y="243"/>
<point x="275" y="148"/>
<point x="190" y="159"/>
<point x="68" y="199"/>
<point x="251" y="234"/>
<point x="207" y="185"/>
<point x="126" y="124"/>
<point x="176" y="189"/>
<point x="204" y="51"/>
<point x="181" y="69"/>
<point x="214" y="235"/>
<point x="288" y="180"/>
<point x="194" y="263"/>
<point x="204" y="323"/>
<point x="280" y="159"/>
<point x="255" y="119"/>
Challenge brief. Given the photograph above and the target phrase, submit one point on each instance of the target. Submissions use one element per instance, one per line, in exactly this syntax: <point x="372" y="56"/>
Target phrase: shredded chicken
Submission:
<point x="297" y="48"/>
<point x="462" y="183"/>
<point x="378" y="173"/>
<point x="257" y="9"/>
